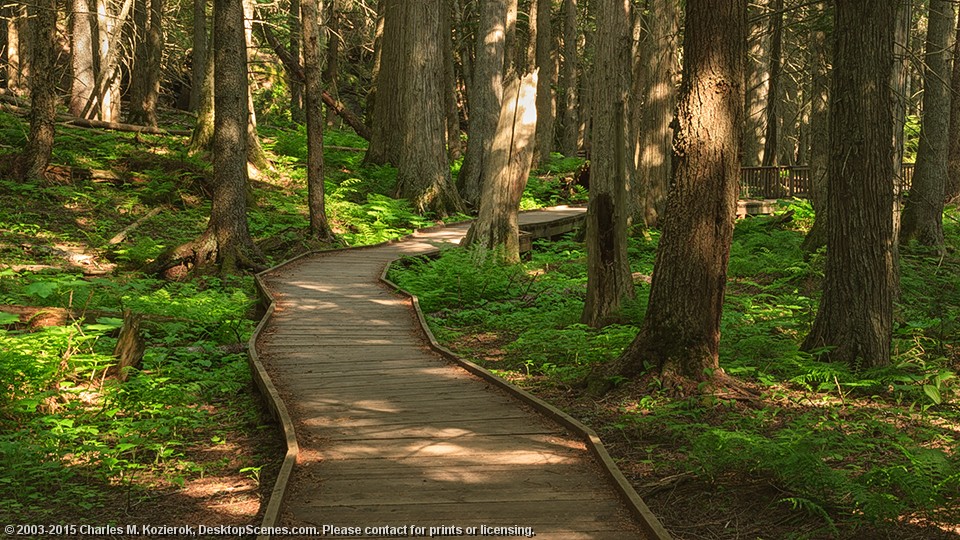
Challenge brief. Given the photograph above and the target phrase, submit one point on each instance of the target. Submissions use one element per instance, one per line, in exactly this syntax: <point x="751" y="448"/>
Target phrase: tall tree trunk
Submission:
<point x="312" y="36"/>
<point x="198" y="67"/>
<point x="508" y="167"/>
<point x="106" y="92"/>
<point x="546" y="58"/>
<point x="680" y="334"/>
<point x="227" y="239"/>
<point x="900" y="83"/>
<point x="331" y="69"/>
<point x="423" y="175"/>
<point x="608" y="269"/>
<point x="43" y="92"/>
<point x="855" y="317"/>
<point x="255" y="154"/>
<point x="454" y="149"/>
<point x="770" y="139"/>
<point x="24" y="53"/>
<point x="484" y="98"/>
<point x="510" y="38"/>
<point x="922" y="218"/>
<point x="4" y="46"/>
<point x="294" y="19"/>
<point x="202" y="138"/>
<point x="659" y="103"/>
<point x="952" y="191"/>
<point x="757" y="84"/>
<point x="569" y="122"/>
<point x="387" y="118"/>
<point x="819" y="129"/>
<point x="145" y="87"/>
<point x="82" y="53"/>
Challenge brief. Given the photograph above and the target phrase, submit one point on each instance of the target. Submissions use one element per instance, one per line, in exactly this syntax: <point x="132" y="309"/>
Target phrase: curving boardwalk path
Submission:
<point x="391" y="434"/>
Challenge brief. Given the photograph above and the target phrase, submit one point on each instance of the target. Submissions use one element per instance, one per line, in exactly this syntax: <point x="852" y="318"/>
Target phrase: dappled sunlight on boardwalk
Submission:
<point x="393" y="435"/>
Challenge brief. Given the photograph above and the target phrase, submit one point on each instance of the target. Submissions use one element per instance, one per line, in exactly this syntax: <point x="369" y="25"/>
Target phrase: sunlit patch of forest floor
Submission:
<point x="184" y="439"/>
<point x="826" y="451"/>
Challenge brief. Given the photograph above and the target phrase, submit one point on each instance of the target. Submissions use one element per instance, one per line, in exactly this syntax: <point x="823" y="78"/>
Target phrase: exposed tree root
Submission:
<point x="203" y="254"/>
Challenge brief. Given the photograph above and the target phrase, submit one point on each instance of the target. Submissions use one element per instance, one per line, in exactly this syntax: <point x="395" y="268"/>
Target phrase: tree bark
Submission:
<point x="198" y="66"/>
<point x="757" y="83"/>
<point x="569" y="123"/>
<point x="656" y="133"/>
<point x="387" y="118"/>
<point x="296" y="86"/>
<point x="680" y="334"/>
<point x="771" y="139"/>
<point x="105" y="99"/>
<point x="202" y="138"/>
<point x="423" y="175"/>
<point x="43" y="97"/>
<point x="819" y="130"/>
<point x="952" y="191"/>
<point x="484" y="98"/>
<point x="331" y="69"/>
<point x="855" y="318"/>
<point x="82" y="53"/>
<point x="145" y="86"/>
<point x="508" y="167"/>
<point x="227" y="239"/>
<point x="454" y="149"/>
<point x="547" y="64"/>
<point x="312" y="37"/>
<point x="922" y="218"/>
<point x="609" y="281"/>
<point x="255" y="154"/>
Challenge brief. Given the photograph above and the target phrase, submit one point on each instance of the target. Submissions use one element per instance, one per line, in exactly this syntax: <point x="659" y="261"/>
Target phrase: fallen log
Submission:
<point x="120" y="236"/>
<point x="118" y="126"/>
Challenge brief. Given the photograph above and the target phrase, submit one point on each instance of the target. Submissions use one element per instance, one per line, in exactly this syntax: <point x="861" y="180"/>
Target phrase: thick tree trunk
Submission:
<point x="484" y="98"/>
<point x="331" y="69"/>
<point x="757" y="84"/>
<point x="680" y="334"/>
<point x="424" y="175"/>
<point x="312" y="37"/>
<point x="145" y="86"/>
<point x="296" y="85"/>
<point x="546" y="58"/>
<point x="454" y="149"/>
<point x="228" y="219"/>
<point x="922" y="218"/>
<point x="43" y="93"/>
<point x="82" y="54"/>
<point x="386" y="126"/>
<point x="106" y="92"/>
<point x="198" y="66"/>
<point x="510" y="38"/>
<point x="656" y="133"/>
<point x="255" y="154"/>
<point x="202" y="138"/>
<point x="508" y="167"/>
<point x="819" y="132"/>
<point x="609" y="281"/>
<point x="569" y="122"/>
<point x="855" y="318"/>
<point x="952" y="191"/>
<point x="771" y="139"/>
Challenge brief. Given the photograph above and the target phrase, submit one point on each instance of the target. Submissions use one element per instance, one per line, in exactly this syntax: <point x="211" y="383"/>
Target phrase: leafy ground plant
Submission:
<point x="826" y="451"/>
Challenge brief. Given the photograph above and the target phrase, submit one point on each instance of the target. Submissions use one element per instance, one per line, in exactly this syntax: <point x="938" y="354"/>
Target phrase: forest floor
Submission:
<point x="823" y="451"/>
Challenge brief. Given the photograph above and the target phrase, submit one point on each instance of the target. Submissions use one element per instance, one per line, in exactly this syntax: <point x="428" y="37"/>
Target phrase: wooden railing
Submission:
<point x="789" y="182"/>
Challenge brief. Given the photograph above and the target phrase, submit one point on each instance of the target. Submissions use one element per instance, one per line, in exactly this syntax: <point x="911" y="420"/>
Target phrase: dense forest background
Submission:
<point x="786" y="375"/>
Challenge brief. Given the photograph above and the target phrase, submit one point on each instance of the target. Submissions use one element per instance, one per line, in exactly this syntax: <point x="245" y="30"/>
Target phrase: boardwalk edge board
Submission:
<point x="628" y="495"/>
<point x="278" y="409"/>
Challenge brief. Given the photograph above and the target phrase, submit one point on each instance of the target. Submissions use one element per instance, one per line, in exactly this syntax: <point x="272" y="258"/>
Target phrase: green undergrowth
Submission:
<point x="70" y="426"/>
<point x="843" y="448"/>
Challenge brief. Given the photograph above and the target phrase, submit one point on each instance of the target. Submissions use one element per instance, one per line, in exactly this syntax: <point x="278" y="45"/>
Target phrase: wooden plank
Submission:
<point x="473" y="428"/>
<point x="573" y="514"/>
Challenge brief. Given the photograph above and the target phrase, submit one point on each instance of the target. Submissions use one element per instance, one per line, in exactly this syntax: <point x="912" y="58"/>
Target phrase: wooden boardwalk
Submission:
<point x="391" y="434"/>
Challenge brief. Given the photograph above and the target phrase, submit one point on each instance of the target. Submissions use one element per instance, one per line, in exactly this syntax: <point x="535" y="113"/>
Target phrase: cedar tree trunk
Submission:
<point x="43" y="92"/>
<point x="608" y="269"/>
<point x="312" y="38"/>
<point x="680" y="334"/>
<point x="855" y="317"/>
